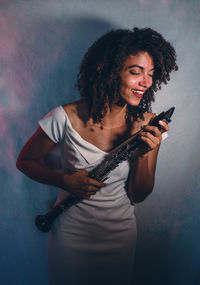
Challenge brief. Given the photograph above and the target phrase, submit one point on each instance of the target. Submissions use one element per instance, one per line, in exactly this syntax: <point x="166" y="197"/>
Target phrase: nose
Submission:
<point x="146" y="81"/>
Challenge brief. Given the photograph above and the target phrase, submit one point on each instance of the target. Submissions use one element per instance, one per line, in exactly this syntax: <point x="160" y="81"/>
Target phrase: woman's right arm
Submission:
<point x="30" y="163"/>
<point x="30" y="159"/>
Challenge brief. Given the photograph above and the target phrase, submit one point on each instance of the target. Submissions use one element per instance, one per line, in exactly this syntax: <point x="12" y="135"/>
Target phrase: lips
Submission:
<point x="137" y="93"/>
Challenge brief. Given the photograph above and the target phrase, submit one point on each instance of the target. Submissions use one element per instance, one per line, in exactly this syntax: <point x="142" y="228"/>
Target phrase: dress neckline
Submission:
<point x="78" y="135"/>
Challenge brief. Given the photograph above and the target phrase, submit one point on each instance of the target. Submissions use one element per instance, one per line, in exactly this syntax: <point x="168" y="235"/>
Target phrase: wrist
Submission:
<point x="65" y="181"/>
<point x="58" y="179"/>
<point x="146" y="151"/>
<point x="141" y="153"/>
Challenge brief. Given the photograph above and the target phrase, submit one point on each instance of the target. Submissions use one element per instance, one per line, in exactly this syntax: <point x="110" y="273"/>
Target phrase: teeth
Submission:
<point x="137" y="91"/>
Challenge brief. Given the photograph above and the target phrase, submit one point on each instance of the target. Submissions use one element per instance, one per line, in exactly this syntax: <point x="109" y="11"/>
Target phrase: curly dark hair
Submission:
<point x="99" y="76"/>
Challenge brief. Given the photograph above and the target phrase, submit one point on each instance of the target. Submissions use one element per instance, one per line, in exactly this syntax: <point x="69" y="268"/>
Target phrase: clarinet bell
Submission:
<point x="43" y="224"/>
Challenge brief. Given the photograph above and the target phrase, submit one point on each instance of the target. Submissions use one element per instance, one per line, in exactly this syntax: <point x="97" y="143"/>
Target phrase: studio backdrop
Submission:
<point x="41" y="45"/>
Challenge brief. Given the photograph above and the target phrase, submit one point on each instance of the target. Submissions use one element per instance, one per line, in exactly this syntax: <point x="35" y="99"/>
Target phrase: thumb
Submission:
<point x="83" y="172"/>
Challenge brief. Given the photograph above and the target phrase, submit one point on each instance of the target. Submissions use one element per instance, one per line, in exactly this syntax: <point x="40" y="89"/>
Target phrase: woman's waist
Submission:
<point x="105" y="197"/>
<point x="100" y="213"/>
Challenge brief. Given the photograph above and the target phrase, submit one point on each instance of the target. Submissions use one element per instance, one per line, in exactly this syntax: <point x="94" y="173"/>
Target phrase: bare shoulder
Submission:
<point x="75" y="111"/>
<point x="70" y="108"/>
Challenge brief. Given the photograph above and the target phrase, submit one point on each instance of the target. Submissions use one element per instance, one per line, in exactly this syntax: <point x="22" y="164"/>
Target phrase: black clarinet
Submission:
<point x="100" y="173"/>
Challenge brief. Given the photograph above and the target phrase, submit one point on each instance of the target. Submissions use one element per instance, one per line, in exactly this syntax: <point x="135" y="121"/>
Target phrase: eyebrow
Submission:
<point x="141" y="67"/>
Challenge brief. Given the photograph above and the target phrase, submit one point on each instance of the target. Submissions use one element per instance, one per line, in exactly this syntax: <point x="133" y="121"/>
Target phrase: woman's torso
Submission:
<point x="85" y="146"/>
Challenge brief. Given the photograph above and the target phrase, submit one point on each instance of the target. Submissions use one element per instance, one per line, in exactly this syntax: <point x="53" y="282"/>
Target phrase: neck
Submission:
<point x="116" y="117"/>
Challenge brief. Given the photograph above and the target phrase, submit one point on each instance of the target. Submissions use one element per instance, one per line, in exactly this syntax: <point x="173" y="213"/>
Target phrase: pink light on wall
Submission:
<point x="165" y="2"/>
<point x="29" y="50"/>
<point x="3" y="124"/>
<point x="8" y="45"/>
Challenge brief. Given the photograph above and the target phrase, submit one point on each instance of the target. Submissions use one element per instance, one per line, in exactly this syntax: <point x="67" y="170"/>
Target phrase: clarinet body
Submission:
<point x="100" y="173"/>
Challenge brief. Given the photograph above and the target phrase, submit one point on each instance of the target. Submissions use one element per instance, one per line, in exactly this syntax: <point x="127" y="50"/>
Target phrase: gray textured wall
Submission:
<point x="41" y="45"/>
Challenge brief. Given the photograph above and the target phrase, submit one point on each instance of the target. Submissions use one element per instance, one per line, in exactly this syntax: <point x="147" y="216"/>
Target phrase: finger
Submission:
<point x="95" y="183"/>
<point x="150" y="140"/>
<point x="153" y="130"/>
<point x="92" y="193"/>
<point x="155" y="139"/>
<point x="148" y="143"/>
<point x="164" y="125"/>
<point x="83" y="172"/>
<point x="91" y="188"/>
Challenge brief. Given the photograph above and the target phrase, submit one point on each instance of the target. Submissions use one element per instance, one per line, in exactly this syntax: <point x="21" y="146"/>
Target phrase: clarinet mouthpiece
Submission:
<point x="170" y="112"/>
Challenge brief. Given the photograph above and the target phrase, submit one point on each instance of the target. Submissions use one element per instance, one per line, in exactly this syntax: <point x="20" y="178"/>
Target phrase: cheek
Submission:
<point x="129" y="82"/>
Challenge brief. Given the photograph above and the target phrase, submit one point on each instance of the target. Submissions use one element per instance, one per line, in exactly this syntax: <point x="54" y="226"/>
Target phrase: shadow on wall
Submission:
<point x="57" y="50"/>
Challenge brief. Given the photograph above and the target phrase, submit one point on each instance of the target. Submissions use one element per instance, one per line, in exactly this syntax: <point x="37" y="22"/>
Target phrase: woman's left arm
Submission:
<point x="142" y="174"/>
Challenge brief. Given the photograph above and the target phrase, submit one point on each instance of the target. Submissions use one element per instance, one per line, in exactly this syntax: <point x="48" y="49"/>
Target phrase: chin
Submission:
<point x="133" y="102"/>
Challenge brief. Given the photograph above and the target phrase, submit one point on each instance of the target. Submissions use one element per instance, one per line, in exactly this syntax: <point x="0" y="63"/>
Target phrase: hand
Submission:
<point x="152" y="136"/>
<point x="80" y="185"/>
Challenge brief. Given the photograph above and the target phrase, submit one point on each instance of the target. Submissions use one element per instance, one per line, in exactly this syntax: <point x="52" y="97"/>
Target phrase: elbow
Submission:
<point x="140" y="195"/>
<point x="19" y="161"/>
<point x="140" y="198"/>
<point x="19" y="164"/>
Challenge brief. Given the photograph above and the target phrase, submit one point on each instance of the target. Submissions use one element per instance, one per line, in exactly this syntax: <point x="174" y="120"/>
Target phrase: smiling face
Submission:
<point x="136" y="77"/>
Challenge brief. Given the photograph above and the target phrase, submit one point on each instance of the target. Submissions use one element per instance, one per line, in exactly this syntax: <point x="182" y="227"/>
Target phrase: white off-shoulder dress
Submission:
<point x="92" y="242"/>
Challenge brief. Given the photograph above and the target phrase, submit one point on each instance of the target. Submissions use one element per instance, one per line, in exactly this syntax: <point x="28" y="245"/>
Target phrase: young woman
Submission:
<point x="93" y="242"/>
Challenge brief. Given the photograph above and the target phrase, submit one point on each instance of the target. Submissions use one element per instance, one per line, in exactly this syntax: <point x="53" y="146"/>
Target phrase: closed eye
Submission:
<point x="135" y="73"/>
<point x="138" y="73"/>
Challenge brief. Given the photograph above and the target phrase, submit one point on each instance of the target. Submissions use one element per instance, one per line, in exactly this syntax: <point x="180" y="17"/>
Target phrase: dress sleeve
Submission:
<point x="53" y="124"/>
